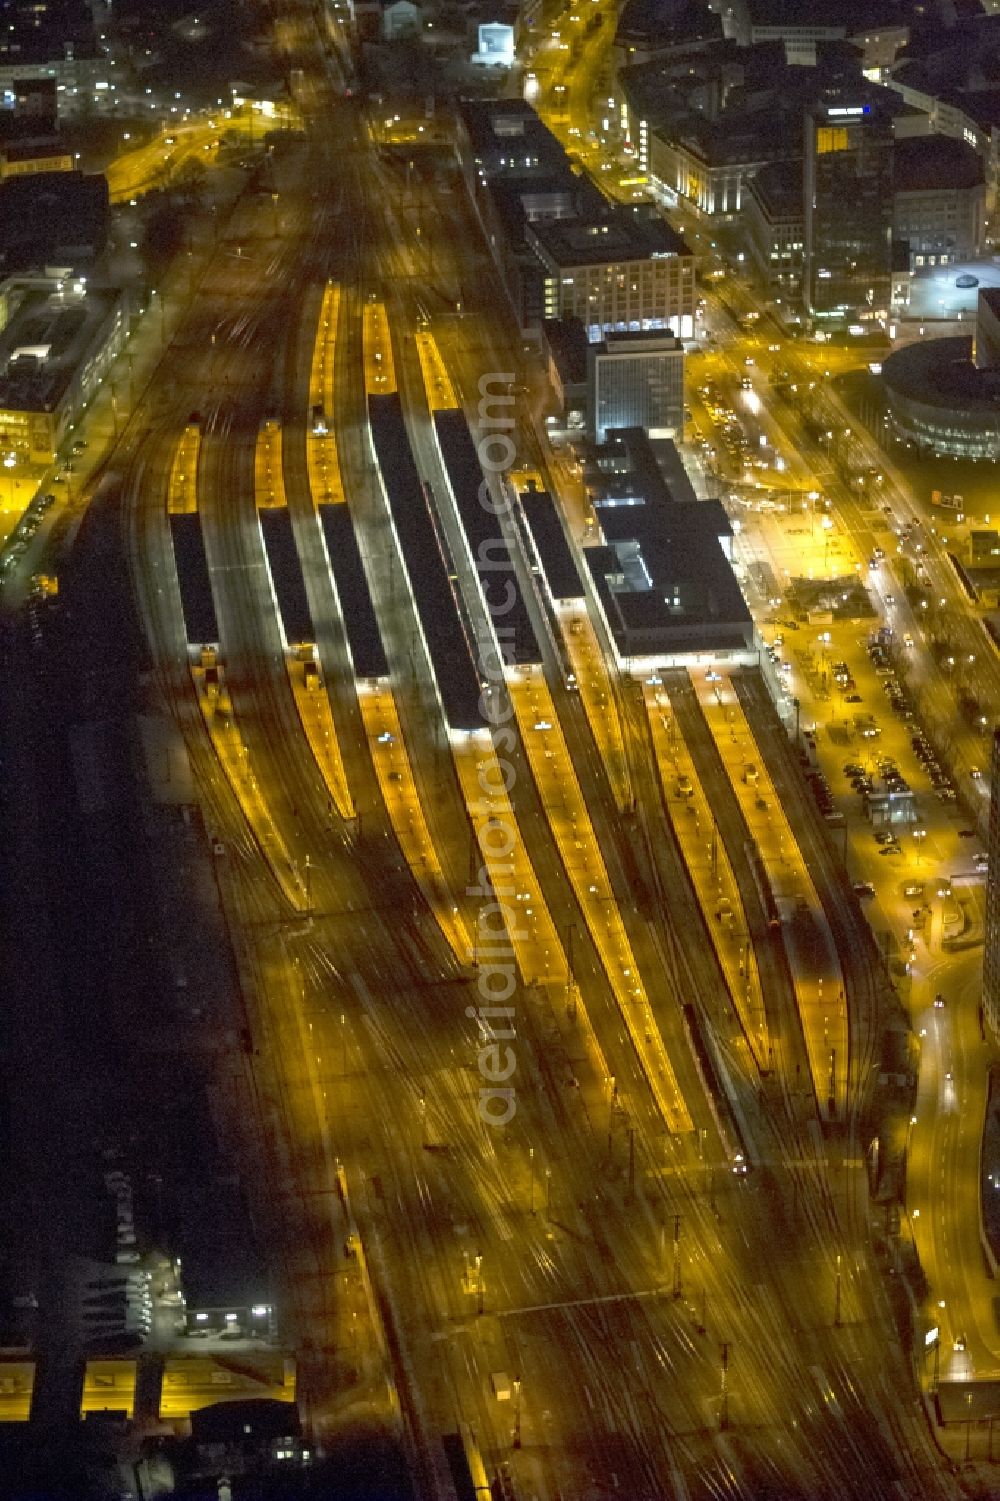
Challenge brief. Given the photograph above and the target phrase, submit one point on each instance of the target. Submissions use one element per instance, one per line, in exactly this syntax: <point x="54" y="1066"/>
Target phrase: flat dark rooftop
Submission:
<point x="567" y="341"/>
<point x="663" y="568"/>
<point x="200" y="623"/>
<point x="485" y="537"/>
<point x="621" y="236"/>
<point x="551" y="545"/>
<point x="495" y="124"/>
<point x="920" y="163"/>
<point x="286" y="574"/>
<point x="940" y="373"/>
<point x="50" y="214"/>
<point x="778" y="186"/>
<point x="360" y="621"/>
<point x="428" y="569"/>
<point x="669" y="23"/>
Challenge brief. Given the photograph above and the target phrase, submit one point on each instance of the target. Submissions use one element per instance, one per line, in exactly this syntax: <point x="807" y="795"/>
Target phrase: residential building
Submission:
<point x="847" y="243"/>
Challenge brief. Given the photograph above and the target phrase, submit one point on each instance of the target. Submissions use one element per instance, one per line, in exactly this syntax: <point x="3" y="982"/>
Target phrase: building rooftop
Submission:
<point x="921" y="163"/>
<point x="799" y="13"/>
<point x="518" y="201"/>
<point x="849" y="17"/>
<point x="51" y="218"/>
<point x="499" y="129"/>
<point x="44" y="342"/>
<point x="621" y="236"/>
<point x="668" y="24"/>
<point x="778" y="188"/>
<point x="567" y="342"/>
<point x="742" y="137"/>
<point x="663" y="577"/>
<point x="40" y="33"/>
<point x="940" y="373"/>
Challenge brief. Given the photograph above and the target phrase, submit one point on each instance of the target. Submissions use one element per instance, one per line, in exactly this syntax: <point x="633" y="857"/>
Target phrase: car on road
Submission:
<point x="890" y="849"/>
<point x="864" y="888"/>
<point x="853" y="698"/>
<point x="966" y="833"/>
<point x="981" y="861"/>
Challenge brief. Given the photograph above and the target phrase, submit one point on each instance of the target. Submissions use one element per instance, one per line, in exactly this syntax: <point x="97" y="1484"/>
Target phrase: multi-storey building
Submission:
<point x="848" y="178"/>
<point x="636" y="380"/>
<point x="939" y="202"/>
<point x="625" y="272"/>
<point x="775" y="225"/>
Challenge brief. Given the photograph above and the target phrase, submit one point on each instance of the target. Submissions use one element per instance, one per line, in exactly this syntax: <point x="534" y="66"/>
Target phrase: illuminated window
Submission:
<point x="831" y="138"/>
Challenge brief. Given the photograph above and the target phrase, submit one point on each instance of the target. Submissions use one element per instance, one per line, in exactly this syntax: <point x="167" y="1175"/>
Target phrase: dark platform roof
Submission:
<point x="200" y="623"/>
<point x="483" y="532"/>
<point x="286" y="574"/>
<point x="426" y="566"/>
<point x="551" y="545"/>
<point x="360" y="621"/>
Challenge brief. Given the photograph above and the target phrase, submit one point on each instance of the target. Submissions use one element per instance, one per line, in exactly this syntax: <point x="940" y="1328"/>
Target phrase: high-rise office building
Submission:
<point x="991" y="951"/>
<point x="636" y="380"/>
<point x="848" y="207"/>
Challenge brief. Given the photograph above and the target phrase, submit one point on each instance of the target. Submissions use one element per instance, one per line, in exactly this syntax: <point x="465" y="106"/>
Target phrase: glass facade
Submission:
<point x="848" y="212"/>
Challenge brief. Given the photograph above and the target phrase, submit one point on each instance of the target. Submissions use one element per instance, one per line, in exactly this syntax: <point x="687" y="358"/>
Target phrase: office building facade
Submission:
<point x="636" y="380"/>
<point x="848" y="209"/>
<point x="618" y="274"/>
